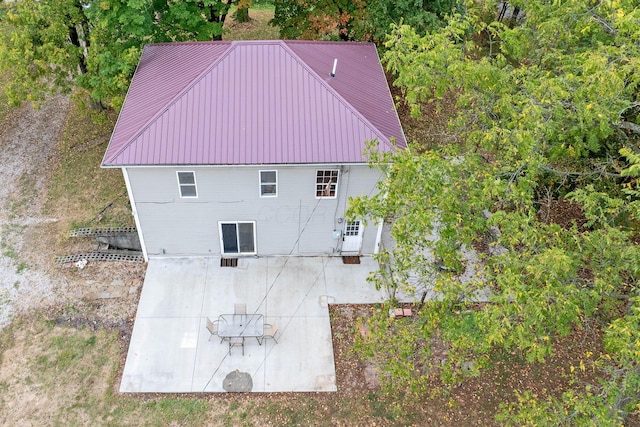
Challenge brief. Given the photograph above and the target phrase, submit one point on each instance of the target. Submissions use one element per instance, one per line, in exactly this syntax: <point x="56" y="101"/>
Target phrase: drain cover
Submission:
<point x="228" y="262"/>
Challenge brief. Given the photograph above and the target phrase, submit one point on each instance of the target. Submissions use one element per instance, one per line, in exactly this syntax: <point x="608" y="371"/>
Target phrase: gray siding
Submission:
<point x="295" y="222"/>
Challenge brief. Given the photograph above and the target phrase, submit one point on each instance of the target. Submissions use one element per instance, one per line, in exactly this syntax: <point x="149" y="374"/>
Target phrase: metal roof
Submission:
<point x="254" y="102"/>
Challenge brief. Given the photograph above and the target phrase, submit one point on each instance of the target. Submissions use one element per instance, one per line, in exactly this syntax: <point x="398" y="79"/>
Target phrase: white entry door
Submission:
<point x="352" y="237"/>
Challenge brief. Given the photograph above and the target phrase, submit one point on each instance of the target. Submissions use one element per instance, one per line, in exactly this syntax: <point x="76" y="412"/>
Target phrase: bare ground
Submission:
<point x="27" y="143"/>
<point x="101" y="295"/>
<point x="28" y="239"/>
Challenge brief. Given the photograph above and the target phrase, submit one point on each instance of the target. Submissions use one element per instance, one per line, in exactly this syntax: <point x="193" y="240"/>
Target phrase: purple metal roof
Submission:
<point x="254" y="102"/>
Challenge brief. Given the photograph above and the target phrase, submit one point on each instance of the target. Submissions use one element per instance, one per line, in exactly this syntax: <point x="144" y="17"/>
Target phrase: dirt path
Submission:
<point x="29" y="240"/>
<point x="27" y="141"/>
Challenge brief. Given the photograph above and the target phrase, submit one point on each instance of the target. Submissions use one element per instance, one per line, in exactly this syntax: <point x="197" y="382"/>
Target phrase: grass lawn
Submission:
<point x="58" y="369"/>
<point x="59" y="375"/>
<point x="81" y="194"/>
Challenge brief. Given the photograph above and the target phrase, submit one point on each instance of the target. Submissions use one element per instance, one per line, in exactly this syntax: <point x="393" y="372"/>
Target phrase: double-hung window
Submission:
<point x="187" y="184"/>
<point x="268" y="183"/>
<point x="327" y="183"/>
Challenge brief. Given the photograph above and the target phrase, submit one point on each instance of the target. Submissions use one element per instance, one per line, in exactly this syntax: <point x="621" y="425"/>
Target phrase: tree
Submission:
<point x="57" y="45"/>
<point x="363" y="20"/>
<point x="184" y="20"/>
<point x="544" y="106"/>
<point x="420" y="15"/>
<point x="242" y="11"/>
<point x="119" y="31"/>
<point x="317" y="19"/>
<point x="45" y="47"/>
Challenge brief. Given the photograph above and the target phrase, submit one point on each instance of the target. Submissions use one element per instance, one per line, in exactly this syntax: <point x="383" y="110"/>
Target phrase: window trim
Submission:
<point x="261" y="184"/>
<point x="255" y="242"/>
<point x="335" y="191"/>
<point x="181" y="185"/>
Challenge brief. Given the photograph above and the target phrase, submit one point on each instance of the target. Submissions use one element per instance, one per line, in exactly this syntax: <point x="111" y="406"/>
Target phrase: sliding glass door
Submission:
<point x="238" y="237"/>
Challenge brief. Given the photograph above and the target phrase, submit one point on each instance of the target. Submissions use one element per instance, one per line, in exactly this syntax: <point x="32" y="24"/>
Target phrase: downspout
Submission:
<point x="135" y="213"/>
<point x="342" y="220"/>
<point x="376" y="248"/>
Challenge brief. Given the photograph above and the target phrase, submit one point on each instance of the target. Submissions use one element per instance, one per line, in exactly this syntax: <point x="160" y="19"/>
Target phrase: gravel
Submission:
<point x="27" y="141"/>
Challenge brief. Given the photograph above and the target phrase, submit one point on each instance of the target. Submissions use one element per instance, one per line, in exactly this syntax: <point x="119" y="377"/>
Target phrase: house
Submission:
<point x="253" y="147"/>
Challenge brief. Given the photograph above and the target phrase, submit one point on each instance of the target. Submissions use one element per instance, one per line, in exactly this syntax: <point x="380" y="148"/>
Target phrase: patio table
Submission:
<point x="240" y="325"/>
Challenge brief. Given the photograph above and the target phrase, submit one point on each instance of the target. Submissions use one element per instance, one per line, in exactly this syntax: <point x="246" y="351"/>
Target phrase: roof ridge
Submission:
<point x="341" y="98"/>
<point x="178" y="96"/>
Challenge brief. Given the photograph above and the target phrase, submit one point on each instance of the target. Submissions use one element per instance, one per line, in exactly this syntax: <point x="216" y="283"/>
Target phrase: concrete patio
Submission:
<point x="170" y="350"/>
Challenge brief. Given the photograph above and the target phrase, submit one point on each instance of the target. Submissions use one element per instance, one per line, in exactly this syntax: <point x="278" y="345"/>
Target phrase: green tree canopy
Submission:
<point x="54" y="45"/>
<point x="362" y="20"/>
<point x="546" y="106"/>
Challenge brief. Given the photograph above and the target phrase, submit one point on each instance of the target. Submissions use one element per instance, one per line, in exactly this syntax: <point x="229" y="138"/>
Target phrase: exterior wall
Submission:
<point x="293" y="223"/>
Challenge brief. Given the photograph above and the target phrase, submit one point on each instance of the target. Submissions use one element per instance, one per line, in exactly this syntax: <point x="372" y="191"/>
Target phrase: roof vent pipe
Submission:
<point x="335" y="64"/>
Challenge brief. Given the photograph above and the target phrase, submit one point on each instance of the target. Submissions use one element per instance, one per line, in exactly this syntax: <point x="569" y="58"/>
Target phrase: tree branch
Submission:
<point x="608" y="28"/>
<point x="565" y="174"/>
<point x="629" y="126"/>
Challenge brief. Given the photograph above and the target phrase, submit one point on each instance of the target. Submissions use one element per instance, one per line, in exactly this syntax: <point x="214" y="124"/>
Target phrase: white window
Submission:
<point x="326" y="183"/>
<point x="268" y="183"/>
<point x="238" y="237"/>
<point x="352" y="228"/>
<point x="187" y="184"/>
